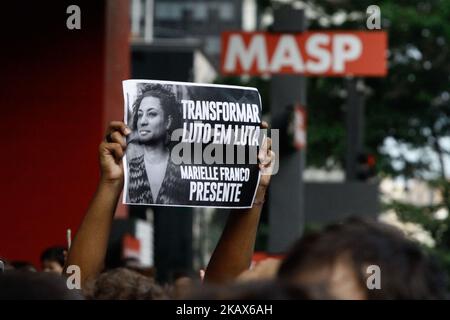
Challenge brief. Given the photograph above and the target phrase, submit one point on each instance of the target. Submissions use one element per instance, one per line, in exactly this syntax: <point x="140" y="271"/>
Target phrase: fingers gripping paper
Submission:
<point x="191" y="144"/>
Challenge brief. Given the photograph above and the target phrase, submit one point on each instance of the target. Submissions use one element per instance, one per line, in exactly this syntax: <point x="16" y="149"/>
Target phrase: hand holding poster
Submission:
<point x="191" y="144"/>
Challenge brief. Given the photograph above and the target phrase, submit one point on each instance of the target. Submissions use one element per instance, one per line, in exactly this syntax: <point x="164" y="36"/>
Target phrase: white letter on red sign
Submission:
<point x="287" y="55"/>
<point x="314" y="50"/>
<point x="237" y="51"/>
<point x="345" y="48"/>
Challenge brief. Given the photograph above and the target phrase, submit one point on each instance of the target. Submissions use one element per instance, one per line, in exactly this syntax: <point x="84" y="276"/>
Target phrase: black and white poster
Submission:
<point x="191" y="144"/>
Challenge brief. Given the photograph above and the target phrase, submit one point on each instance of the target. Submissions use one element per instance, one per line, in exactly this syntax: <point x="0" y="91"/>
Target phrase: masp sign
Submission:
<point x="336" y="53"/>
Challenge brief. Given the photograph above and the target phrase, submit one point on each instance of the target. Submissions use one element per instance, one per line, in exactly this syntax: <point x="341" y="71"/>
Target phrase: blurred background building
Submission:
<point x="199" y="20"/>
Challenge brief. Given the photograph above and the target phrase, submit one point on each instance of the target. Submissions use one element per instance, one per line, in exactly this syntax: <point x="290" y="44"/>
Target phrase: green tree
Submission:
<point x="411" y="105"/>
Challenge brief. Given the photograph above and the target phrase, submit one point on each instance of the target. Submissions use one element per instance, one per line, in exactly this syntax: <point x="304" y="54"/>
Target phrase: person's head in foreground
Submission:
<point x="123" y="284"/>
<point x="258" y="290"/>
<point x="345" y="257"/>
<point x="23" y="266"/>
<point x="17" y="285"/>
<point x="53" y="259"/>
<point x="155" y="114"/>
<point x="182" y="283"/>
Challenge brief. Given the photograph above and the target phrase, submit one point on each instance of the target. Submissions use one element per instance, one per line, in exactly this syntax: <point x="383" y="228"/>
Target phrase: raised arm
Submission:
<point x="233" y="253"/>
<point x="89" y="246"/>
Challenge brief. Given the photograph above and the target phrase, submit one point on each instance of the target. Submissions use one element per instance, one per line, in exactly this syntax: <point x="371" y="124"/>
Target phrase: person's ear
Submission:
<point x="169" y="122"/>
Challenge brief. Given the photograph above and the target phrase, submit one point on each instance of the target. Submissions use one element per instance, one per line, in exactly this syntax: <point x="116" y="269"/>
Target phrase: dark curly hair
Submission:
<point x="168" y="103"/>
<point x="409" y="272"/>
<point x="123" y="284"/>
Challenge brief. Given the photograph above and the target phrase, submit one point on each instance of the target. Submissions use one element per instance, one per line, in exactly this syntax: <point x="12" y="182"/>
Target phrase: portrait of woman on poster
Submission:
<point x="152" y="177"/>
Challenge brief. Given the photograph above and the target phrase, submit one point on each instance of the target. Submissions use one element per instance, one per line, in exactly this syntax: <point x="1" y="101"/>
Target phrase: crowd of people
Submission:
<point x="332" y="263"/>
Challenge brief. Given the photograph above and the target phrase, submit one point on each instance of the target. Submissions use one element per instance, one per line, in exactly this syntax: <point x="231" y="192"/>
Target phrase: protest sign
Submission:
<point x="191" y="144"/>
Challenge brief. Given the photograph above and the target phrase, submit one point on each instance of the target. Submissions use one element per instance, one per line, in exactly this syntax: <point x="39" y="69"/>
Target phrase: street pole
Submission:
<point x="355" y="126"/>
<point x="286" y="196"/>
